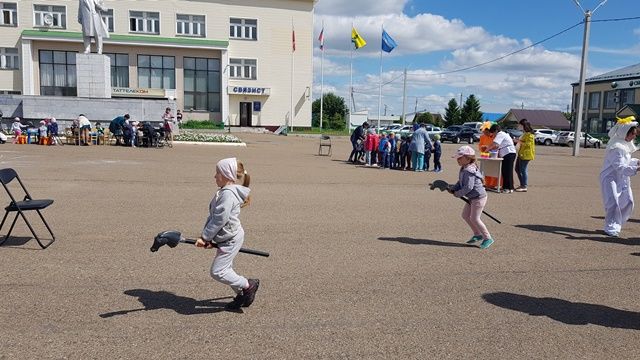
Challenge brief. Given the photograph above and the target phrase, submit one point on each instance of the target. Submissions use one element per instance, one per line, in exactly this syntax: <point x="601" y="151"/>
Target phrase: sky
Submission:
<point x="438" y="36"/>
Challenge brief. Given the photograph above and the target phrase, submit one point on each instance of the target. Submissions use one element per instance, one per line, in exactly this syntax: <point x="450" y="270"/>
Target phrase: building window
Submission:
<point x="243" y="69"/>
<point x="9" y="14"/>
<point x="594" y="100"/>
<point x="627" y="96"/>
<point x="144" y="22"/>
<point x="119" y="69"/>
<point x="10" y="92"/>
<point x="190" y="25"/>
<point x="107" y="17"/>
<point x="156" y="72"/>
<point x="49" y="16"/>
<point x="202" y="84"/>
<point x="243" y="29"/>
<point x="57" y="73"/>
<point x="609" y="100"/>
<point x="9" y="59"/>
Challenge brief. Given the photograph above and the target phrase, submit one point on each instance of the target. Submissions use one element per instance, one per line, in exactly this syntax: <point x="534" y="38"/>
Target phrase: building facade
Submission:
<point x="605" y="95"/>
<point x="226" y="60"/>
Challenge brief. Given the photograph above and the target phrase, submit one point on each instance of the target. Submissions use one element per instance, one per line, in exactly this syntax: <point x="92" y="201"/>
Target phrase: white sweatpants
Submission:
<point x="618" y="204"/>
<point x="221" y="268"/>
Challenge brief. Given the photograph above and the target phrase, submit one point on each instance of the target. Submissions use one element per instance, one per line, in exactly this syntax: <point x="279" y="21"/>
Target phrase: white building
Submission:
<point x="225" y="60"/>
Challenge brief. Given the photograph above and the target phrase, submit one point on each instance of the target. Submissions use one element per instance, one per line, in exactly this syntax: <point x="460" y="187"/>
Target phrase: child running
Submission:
<point x="470" y="185"/>
<point x="223" y="228"/>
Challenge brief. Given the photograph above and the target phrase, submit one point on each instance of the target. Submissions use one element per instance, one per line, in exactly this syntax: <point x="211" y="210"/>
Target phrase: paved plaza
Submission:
<point x="365" y="263"/>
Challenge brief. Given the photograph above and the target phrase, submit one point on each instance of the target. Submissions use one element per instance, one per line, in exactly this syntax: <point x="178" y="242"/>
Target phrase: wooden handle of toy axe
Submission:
<point x="242" y="250"/>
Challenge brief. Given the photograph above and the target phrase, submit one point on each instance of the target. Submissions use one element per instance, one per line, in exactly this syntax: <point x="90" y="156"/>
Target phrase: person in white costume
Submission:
<point x="89" y="15"/>
<point x="618" y="167"/>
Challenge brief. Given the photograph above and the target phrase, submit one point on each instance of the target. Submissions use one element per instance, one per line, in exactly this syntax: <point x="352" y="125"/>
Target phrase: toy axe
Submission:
<point x="172" y="238"/>
<point x="444" y="186"/>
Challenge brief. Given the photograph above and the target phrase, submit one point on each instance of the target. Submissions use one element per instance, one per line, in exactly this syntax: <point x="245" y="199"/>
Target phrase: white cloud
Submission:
<point x="358" y="8"/>
<point x="331" y="68"/>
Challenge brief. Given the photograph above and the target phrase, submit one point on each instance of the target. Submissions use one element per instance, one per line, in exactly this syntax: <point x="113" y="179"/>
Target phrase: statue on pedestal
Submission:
<point x="89" y="15"/>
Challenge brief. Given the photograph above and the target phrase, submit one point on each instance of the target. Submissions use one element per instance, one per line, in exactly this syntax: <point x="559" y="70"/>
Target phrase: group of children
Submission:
<point x="45" y="134"/>
<point x="388" y="151"/>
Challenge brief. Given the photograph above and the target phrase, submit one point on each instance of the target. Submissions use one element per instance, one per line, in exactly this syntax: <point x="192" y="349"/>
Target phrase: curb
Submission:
<point x="209" y="143"/>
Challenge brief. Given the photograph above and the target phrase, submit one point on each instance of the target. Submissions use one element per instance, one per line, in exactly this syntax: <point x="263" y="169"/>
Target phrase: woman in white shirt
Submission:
<point x="507" y="151"/>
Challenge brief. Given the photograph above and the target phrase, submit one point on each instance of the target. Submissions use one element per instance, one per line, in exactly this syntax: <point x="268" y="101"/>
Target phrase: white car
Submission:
<point x="567" y="138"/>
<point x="546" y="136"/>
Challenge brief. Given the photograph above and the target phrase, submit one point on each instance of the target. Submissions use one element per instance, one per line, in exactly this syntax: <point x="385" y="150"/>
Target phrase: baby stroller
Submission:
<point x="160" y="138"/>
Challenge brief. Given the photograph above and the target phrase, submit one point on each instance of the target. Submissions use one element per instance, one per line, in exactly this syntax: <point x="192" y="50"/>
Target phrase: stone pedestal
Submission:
<point x="93" y="76"/>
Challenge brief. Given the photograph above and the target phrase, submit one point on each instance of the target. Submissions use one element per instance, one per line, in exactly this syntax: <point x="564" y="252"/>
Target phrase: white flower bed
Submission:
<point x="217" y="138"/>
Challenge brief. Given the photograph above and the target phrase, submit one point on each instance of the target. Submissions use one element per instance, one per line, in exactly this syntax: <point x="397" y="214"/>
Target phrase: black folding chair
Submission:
<point x="27" y="204"/>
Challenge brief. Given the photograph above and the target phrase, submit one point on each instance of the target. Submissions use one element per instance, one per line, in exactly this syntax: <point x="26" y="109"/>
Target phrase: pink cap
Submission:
<point x="464" y="150"/>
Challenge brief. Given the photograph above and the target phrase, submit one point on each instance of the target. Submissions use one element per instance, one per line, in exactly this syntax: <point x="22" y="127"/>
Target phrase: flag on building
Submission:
<point x="356" y="39"/>
<point x="321" y="39"/>
<point x="388" y="44"/>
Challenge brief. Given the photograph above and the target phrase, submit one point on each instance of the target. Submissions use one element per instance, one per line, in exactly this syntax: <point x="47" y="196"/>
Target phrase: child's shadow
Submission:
<point x="156" y="300"/>
<point x="412" y="241"/>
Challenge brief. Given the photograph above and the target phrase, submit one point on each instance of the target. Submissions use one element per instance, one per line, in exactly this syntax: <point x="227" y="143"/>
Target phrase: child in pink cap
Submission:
<point x="470" y="185"/>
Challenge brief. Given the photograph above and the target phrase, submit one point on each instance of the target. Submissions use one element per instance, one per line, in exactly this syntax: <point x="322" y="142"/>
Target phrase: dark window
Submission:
<point x="202" y="84"/>
<point x="156" y="72"/>
<point x="58" y="73"/>
<point x="119" y="69"/>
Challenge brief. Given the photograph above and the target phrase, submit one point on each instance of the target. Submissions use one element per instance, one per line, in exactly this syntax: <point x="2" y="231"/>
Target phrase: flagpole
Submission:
<point x="321" y="75"/>
<point x="293" y="64"/>
<point x="380" y="83"/>
<point x="350" y="87"/>
<point x="404" y="96"/>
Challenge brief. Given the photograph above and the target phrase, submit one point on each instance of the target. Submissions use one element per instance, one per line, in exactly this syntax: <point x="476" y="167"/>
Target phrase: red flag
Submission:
<point x="321" y="39"/>
<point x="293" y="39"/>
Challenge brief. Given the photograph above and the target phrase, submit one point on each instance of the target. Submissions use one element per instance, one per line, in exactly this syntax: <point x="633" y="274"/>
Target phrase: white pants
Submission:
<point x="221" y="269"/>
<point x="618" y="204"/>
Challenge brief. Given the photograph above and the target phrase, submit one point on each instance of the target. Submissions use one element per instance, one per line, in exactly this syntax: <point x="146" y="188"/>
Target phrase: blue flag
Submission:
<point x="388" y="44"/>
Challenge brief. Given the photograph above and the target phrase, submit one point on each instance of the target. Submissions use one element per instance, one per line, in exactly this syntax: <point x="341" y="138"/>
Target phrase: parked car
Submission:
<point x="546" y="136"/>
<point x="456" y="133"/>
<point x="433" y="130"/>
<point x="515" y="133"/>
<point x="473" y="124"/>
<point x="567" y="138"/>
<point x="406" y="130"/>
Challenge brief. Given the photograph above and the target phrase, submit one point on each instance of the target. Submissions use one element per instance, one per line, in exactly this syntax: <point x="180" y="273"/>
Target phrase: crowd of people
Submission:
<point x="402" y="152"/>
<point x="126" y="131"/>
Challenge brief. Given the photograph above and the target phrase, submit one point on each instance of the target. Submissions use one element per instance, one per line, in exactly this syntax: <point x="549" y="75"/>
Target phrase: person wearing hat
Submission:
<point x="17" y="127"/>
<point x="470" y="185"/>
<point x="618" y="167"/>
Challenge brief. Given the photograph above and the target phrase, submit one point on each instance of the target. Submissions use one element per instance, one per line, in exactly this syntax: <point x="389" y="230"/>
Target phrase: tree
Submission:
<point x="471" y="110"/>
<point x="334" y="110"/>
<point x="424" y="117"/>
<point x="452" y="113"/>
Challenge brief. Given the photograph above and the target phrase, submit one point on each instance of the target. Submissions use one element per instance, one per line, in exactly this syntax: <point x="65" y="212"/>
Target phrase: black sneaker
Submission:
<point x="236" y="303"/>
<point x="250" y="292"/>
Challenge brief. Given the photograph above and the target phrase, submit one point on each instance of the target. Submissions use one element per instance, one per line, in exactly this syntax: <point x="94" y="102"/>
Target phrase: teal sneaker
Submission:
<point x="474" y="239"/>
<point x="486" y="243"/>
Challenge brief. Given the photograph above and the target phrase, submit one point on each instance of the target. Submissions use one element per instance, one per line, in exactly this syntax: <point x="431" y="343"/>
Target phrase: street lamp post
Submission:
<point x="583" y="68"/>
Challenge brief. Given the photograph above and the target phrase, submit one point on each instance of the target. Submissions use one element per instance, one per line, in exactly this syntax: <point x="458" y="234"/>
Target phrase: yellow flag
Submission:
<point x="357" y="41"/>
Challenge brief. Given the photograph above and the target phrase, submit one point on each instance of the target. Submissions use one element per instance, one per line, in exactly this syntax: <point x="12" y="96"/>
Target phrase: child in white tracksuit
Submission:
<point x="224" y="229"/>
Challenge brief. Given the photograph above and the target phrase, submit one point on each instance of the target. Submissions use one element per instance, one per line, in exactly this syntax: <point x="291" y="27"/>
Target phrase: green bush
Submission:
<point x="196" y="124"/>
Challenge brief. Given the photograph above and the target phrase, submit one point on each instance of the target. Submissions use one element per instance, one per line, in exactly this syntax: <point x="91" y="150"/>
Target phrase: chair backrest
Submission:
<point x="7" y="175"/>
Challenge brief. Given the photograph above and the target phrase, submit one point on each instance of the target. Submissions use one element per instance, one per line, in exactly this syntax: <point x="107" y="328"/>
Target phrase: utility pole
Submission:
<point x="385" y="109"/>
<point x="404" y="96"/>
<point x="583" y="69"/>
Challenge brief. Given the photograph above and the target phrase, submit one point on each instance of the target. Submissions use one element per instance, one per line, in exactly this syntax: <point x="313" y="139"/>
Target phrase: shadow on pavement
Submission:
<point x="630" y="220"/>
<point x="412" y="241"/>
<point x="157" y="300"/>
<point x="15" y="241"/>
<point x="636" y="254"/>
<point x="570" y="233"/>
<point x="566" y="311"/>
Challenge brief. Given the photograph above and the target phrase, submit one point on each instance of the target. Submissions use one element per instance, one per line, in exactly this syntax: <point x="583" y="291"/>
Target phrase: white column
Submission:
<point x="28" y="81"/>
<point x="224" y="103"/>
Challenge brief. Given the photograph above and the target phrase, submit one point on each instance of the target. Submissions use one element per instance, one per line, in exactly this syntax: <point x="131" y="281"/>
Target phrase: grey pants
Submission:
<point x="221" y="268"/>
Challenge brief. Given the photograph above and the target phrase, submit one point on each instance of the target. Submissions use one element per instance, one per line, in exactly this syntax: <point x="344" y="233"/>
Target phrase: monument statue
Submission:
<point x="89" y="15"/>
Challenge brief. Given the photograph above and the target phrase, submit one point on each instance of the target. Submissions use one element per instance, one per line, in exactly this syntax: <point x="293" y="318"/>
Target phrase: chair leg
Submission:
<point x="53" y="237"/>
<point x="13" y="223"/>
<point x="33" y="231"/>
